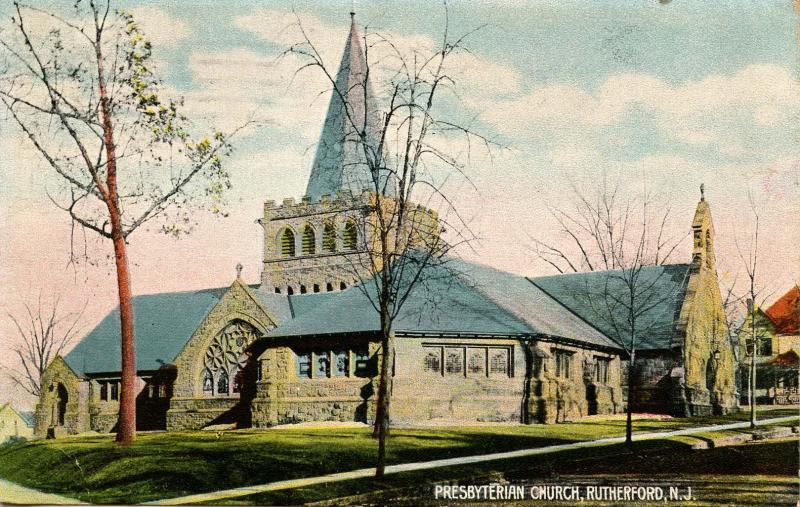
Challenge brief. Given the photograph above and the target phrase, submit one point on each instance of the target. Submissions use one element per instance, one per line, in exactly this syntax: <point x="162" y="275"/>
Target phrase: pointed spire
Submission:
<point x="341" y="162"/>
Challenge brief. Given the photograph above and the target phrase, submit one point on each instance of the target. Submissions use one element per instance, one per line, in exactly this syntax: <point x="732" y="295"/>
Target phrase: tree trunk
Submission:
<point x="752" y="385"/>
<point x="381" y="430"/>
<point x="126" y="425"/>
<point x="631" y="397"/>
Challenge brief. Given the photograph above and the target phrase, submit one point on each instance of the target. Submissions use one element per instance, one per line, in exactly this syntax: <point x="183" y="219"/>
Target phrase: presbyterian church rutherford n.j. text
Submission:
<point x="303" y="345"/>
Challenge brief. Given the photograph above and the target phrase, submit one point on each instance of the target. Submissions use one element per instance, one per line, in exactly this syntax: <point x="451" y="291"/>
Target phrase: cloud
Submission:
<point x="728" y="111"/>
<point x="161" y="28"/>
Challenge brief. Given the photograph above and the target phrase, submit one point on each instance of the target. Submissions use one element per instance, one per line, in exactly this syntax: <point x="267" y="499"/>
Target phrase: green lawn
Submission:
<point x="163" y="465"/>
<point x="763" y="473"/>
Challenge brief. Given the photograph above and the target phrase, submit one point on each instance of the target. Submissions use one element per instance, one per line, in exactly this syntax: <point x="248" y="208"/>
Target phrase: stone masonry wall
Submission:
<point x="189" y="406"/>
<point x="284" y="398"/>
<point x="420" y="396"/>
<point x="76" y="414"/>
<point x="556" y="397"/>
<point x="709" y="369"/>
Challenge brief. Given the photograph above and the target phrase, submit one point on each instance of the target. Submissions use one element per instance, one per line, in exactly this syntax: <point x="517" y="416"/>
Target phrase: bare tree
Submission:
<point x="401" y="247"/>
<point x="620" y="236"/>
<point x="43" y="333"/>
<point x="80" y="86"/>
<point x="596" y="229"/>
<point x="749" y="257"/>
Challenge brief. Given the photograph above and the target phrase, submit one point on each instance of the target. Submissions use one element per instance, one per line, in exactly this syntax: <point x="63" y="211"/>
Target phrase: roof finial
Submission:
<point x="239" y="268"/>
<point x="352" y="11"/>
<point x="702" y="191"/>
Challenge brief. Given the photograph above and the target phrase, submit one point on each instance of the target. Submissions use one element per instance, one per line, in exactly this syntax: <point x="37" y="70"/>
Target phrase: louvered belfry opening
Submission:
<point x="329" y="238"/>
<point x="350" y="235"/>
<point x="309" y="245"/>
<point x="287" y="243"/>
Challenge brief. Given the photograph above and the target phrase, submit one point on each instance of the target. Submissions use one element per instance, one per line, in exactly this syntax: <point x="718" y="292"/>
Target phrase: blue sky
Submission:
<point x="663" y="96"/>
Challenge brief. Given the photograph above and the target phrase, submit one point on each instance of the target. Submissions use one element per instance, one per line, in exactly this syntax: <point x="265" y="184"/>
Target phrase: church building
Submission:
<point x="304" y="343"/>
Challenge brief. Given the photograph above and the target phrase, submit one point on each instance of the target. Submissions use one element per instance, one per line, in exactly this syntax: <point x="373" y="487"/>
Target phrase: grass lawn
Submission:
<point x="163" y="465"/>
<point x="763" y="473"/>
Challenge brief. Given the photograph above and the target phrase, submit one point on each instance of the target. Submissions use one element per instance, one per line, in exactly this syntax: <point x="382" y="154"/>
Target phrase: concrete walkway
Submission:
<point x="14" y="493"/>
<point x="439" y="463"/>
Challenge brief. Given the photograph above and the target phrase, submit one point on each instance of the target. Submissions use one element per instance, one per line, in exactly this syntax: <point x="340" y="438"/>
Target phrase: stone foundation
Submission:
<point x="196" y="413"/>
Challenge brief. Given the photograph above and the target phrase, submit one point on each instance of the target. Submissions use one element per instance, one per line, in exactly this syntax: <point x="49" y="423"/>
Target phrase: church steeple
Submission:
<point x="348" y="144"/>
<point x="703" y="231"/>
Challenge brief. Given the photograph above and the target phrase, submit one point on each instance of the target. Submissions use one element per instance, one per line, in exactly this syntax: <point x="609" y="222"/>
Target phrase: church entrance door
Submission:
<point x="62" y="397"/>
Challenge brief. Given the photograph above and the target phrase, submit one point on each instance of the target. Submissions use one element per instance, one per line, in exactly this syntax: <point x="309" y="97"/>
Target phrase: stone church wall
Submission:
<point x="283" y="397"/>
<point x="653" y="377"/>
<point x="190" y="407"/>
<point x="709" y="368"/>
<point x="556" y="396"/>
<point x="525" y="387"/>
<point x="428" y="395"/>
<point x="322" y="270"/>
<point x="75" y="414"/>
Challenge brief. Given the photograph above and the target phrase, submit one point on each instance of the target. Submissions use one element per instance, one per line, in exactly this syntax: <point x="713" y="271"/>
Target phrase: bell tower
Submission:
<point x="315" y="245"/>
<point x="703" y="235"/>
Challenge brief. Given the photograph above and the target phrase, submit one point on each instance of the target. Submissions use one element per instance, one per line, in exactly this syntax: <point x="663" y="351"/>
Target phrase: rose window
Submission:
<point x="226" y="358"/>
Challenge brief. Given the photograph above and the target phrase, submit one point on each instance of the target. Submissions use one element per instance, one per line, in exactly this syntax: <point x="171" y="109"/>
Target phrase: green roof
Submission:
<point x="469" y="299"/>
<point x="662" y="291"/>
<point x="163" y="323"/>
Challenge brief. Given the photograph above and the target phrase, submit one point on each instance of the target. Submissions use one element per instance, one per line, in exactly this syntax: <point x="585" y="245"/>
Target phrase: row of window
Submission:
<point x="109" y="390"/>
<point x="563" y="360"/>
<point x="222" y="383"/>
<point x="332" y="363"/>
<point x="303" y="289"/>
<point x="468" y="361"/>
<point x="308" y="240"/>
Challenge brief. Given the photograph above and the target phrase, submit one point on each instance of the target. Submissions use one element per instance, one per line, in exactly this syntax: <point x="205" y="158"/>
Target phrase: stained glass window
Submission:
<point x="322" y="362"/>
<point x="498" y="361"/>
<point x="433" y="361"/>
<point x="341" y="363"/>
<point x="476" y="361"/>
<point x="362" y="363"/>
<point x="227" y="353"/>
<point x="454" y="361"/>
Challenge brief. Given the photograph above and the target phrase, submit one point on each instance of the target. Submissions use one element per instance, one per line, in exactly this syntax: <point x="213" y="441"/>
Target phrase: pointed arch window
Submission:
<point x="222" y="383"/>
<point x="226" y="357"/>
<point x="309" y="243"/>
<point x="208" y="382"/>
<point x="287" y="243"/>
<point x="329" y="237"/>
<point x="350" y="235"/>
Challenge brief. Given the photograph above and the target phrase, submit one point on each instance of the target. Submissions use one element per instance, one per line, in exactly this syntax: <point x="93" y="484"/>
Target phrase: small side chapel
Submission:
<point x="303" y="344"/>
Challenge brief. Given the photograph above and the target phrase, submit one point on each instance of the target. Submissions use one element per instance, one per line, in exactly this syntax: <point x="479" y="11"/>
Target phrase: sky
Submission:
<point x="661" y="96"/>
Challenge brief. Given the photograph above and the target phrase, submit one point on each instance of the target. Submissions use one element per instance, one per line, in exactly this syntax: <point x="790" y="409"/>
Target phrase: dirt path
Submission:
<point x="14" y="493"/>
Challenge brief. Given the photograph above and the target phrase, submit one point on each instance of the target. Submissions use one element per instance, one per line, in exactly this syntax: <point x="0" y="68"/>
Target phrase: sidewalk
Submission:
<point x="464" y="460"/>
<point x="14" y="493"/>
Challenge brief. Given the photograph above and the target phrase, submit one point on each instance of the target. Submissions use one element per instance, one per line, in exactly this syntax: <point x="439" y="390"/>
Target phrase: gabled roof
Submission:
<point x="340" y="163"/>
<point x="583" y="294"/>
<point x="467" y="299"/>
<point x="445" y="305"/>
<point x="26" y="417"/>
<point x="163" y="324"/>
<point x="785" y="312"/>
<point x="29" y="418"/>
